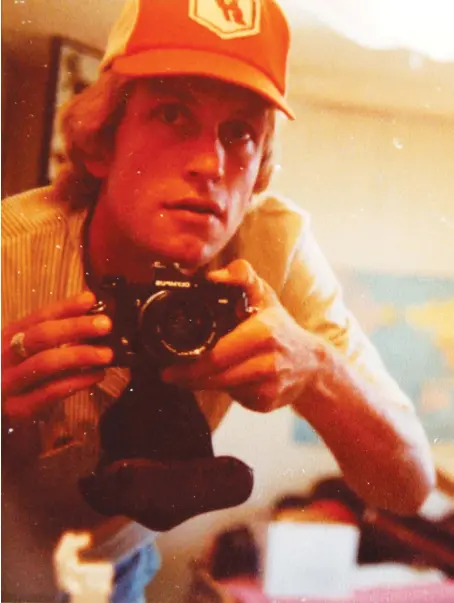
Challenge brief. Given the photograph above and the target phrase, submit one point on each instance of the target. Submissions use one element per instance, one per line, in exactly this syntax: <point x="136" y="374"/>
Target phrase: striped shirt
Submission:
<point x="42" y="262"/>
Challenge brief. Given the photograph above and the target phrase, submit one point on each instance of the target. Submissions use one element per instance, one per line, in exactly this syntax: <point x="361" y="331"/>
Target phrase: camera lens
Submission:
<point x="185" y="325"/>
<point x="182" y="324"/>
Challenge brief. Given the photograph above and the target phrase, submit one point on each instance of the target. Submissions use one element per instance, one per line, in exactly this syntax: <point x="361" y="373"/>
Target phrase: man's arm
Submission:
<point x="271" y="360"/>
<point x="379" y="443"/>
<point x="353" y="403"/>
<point x="304" y="348"/>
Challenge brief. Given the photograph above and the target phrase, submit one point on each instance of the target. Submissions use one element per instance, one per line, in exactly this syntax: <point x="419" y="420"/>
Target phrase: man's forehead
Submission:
<point x="199" y="89"/>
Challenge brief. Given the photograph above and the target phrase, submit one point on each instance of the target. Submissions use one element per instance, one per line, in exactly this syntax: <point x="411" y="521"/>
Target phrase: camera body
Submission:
<point x="175" y="317"/>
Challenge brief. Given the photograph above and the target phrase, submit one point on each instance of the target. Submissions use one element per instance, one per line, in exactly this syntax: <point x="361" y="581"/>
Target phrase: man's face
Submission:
<point x="183" y="170"/>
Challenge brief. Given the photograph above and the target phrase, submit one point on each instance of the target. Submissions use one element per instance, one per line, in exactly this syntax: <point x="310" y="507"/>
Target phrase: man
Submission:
<point x="168" y="151"/>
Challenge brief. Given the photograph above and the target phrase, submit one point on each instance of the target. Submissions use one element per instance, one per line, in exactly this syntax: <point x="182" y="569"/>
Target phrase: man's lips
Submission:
<point x="198" y="206"/>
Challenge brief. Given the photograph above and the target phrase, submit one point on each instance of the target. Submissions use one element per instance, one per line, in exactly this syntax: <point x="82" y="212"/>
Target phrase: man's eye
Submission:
<point x="172" y="114"/>
<point x="236" y="132"/>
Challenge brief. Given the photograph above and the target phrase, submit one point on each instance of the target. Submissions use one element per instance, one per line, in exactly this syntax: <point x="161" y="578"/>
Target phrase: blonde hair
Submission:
<point x="89" y="124"/>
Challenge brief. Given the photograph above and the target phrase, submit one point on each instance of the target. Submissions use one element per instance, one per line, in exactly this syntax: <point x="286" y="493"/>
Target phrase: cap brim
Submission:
<point x="166" y="61"/>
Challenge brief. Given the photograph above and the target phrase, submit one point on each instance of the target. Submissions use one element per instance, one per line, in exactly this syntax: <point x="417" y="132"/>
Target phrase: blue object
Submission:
<point x="132" y="574"/>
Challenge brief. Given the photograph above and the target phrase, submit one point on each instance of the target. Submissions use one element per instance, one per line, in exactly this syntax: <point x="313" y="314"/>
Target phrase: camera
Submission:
<point x="175" y="317"/>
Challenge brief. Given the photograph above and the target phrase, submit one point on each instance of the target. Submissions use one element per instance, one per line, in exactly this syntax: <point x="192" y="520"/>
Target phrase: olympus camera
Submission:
<point x="175" y="317"/>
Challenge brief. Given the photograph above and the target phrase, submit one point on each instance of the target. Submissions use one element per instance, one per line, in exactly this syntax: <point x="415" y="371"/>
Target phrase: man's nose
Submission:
<point x="206" y="162"/>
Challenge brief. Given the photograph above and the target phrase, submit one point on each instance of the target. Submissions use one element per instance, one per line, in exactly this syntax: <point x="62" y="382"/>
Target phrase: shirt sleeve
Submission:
<point x="313" y="296"/>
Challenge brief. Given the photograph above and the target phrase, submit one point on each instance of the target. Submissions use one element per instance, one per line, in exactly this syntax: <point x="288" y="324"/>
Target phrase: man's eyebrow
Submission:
<point x="167" y="89"/>
<point x="251" y="110"/>
<point x="251" y="107"/>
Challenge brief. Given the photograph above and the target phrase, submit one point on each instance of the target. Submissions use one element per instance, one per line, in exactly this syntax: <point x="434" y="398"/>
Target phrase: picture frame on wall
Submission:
<point x="73" y="67"/>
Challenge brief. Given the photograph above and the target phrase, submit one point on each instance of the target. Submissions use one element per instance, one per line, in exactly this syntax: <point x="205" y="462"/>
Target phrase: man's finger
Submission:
<point x="241" y="273"/>
<point x="253" y="370"/>
<point x="23" y="407"/>
<point x="54" y="333"/>
<point x="73" y="306"/>
<point x="52" y="363"/>
<point x="245" y="341"/>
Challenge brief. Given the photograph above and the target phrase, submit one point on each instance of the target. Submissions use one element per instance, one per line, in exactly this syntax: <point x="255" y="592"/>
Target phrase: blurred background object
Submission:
<point x="230" y="571"/>
<point x="423" y="27"/>
<point x="324" y="543"/>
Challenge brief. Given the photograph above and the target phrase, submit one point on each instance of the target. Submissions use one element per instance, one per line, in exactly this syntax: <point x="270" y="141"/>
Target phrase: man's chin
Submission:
<point x="190" y="257"/>
<point x="190" y="263"/>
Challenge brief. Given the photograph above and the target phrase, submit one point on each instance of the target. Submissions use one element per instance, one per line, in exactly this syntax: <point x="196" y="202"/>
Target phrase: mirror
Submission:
<point x="370" y="157"/>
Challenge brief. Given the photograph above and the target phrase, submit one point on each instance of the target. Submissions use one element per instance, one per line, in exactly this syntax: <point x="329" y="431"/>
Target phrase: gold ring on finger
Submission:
<point x="17" y="345"/>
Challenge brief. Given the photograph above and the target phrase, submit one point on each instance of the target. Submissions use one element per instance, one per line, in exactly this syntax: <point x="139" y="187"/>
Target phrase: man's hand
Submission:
<point x="55" y="362"/>
<point x="265" y="362"/>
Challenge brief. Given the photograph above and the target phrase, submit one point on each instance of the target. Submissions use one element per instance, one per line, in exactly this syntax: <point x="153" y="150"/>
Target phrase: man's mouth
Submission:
<point x="197" y="206"/>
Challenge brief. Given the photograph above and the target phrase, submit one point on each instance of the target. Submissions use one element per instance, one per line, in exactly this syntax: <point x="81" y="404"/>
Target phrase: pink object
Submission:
<point x="441" y="592"/>
<point x="245" y="590"/>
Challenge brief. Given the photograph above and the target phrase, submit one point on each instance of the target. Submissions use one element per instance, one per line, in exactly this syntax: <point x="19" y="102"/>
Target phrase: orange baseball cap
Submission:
<point x="242" y="42"/>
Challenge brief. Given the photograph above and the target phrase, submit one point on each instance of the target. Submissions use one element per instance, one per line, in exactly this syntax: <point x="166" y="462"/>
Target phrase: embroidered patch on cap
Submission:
<point x="227" y="18"/>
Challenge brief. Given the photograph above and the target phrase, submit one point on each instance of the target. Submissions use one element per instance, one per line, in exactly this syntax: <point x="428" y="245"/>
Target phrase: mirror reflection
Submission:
<point x="227" y="301"/>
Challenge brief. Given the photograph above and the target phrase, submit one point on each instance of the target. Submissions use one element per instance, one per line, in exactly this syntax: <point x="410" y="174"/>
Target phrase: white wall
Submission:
<point x="381" y="193"/>
<point x="380" y="188"/>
